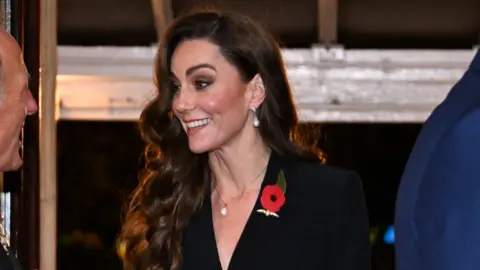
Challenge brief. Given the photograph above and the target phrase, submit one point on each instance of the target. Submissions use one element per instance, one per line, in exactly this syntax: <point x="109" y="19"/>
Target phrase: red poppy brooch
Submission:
<point x="273" y="197"/>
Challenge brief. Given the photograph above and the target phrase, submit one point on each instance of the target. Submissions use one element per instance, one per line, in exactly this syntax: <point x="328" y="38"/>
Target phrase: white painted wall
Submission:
<point x="113" y="83"/>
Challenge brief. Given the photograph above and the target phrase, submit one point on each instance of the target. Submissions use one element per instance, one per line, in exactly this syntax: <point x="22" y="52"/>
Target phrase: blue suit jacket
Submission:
<point x="437" y="222"/>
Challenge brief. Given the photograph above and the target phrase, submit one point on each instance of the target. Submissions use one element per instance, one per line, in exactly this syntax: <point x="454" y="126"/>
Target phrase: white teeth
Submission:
<point x="198" y="123"/>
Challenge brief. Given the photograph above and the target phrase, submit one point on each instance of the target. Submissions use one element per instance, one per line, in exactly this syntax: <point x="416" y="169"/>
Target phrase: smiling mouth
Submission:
<point x="197" y="123"/>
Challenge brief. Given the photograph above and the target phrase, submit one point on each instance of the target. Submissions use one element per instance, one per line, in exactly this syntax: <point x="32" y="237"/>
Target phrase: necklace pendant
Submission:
<point x="224" y="211"/>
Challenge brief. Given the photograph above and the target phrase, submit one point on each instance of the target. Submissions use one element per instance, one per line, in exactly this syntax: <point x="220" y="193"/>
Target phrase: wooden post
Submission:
<point x="48" y="135"/>
<point x="163" y="14"/>
<point x="327" y="21"/>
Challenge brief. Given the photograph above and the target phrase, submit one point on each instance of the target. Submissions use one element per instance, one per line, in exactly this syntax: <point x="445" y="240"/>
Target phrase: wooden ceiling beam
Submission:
<point x="163" y="15"/>
<point x="327" y="20"/>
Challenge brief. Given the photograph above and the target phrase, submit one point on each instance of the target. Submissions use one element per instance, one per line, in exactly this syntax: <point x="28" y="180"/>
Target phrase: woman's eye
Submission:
<point x="201" y="84"/>
<point x="174" y="87"/>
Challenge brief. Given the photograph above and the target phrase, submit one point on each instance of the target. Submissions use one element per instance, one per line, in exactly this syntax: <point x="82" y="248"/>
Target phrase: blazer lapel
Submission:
<point x="199" y="239"/>
<point x="256" y="241"/>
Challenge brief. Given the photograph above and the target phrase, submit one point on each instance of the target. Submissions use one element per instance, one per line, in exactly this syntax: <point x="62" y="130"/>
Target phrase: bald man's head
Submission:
<point x="9" y="44"/>
<point x="10" y="54"/>
<point x="16" y="102"/>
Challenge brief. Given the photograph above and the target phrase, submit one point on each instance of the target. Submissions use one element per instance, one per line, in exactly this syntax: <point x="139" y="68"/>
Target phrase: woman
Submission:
<point x="226" y="186"/>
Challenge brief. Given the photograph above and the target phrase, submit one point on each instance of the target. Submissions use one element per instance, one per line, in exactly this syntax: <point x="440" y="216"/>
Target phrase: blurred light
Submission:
<point x="373" y="235"/>
<point x="389" y="237"/>
<point x="121" y="249"/>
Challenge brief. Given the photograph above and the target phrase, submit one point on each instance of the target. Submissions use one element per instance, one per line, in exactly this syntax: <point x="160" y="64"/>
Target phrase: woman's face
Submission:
<point x="211" y="102"/>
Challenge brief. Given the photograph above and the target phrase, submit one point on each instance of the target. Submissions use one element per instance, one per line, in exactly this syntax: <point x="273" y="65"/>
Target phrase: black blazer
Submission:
<point x="322" y="225"/>
<point x="7" y="260"/>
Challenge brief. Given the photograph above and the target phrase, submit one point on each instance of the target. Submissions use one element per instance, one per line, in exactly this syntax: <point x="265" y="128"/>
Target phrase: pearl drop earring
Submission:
<point x="256" y="121"/>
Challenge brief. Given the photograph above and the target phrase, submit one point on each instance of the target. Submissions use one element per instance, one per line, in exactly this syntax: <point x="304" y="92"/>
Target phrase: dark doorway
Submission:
<point x="98" y="164"/>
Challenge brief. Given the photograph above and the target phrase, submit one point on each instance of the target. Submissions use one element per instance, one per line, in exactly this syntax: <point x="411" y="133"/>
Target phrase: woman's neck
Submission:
<point x="239" y="167"/>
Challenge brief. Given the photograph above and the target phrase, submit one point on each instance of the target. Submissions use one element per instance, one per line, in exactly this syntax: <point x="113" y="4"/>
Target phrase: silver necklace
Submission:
<point x="224" y="208"/>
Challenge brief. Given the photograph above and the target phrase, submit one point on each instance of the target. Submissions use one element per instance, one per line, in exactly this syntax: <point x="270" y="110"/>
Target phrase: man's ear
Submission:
<point x="257" y="92"/>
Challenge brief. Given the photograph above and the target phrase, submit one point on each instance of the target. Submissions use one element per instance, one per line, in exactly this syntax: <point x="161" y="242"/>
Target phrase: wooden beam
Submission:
<point x="383" y="86"/>
<point x="48" y="135"/>
<point x="163" y="14"/>
<point x="327" y="18"/>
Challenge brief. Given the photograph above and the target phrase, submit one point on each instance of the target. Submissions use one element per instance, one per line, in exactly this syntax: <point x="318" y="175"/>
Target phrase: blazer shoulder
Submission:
<point x="327" y="177"/>
<point x="326" y="183"/>
<point x="328" y="194"/>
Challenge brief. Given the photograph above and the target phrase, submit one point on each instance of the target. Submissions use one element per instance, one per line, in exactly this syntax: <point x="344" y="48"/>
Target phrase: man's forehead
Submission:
<point x="14" y="60"/>
<point x="8" y="44"/>
<point x="11" y="55"/>
<point x="22" y="62"/>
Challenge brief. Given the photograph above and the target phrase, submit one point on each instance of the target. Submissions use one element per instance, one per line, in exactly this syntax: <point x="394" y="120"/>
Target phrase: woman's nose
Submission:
<point x="184" y="101"/>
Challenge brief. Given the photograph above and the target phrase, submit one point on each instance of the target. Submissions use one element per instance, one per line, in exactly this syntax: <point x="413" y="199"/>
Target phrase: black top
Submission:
<point x="322" y="225"/>
<point x="7" y="260"/>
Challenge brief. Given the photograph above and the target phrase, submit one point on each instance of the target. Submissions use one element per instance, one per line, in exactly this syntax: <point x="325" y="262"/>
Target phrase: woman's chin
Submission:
<point x="198" y="148"/>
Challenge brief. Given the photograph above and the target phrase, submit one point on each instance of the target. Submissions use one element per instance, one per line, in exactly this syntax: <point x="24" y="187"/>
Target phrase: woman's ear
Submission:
<point x="256" y="91"/>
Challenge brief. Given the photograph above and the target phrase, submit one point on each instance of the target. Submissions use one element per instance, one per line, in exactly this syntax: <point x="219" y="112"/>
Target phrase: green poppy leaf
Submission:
<point x="281" y="182"/>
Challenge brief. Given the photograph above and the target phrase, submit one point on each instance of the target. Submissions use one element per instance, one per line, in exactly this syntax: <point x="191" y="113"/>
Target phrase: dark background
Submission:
<point x="98" y="161"/>
<point x="362" y="23"/>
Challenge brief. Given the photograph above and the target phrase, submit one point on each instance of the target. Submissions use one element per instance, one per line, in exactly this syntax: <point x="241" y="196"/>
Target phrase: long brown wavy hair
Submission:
<point x="173" y="182"/>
